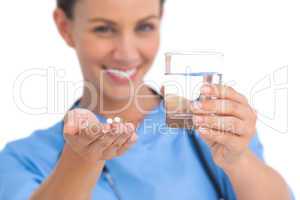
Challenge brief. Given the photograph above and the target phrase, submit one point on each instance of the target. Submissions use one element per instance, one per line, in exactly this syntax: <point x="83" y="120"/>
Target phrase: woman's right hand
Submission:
<point x="94" y="141"/>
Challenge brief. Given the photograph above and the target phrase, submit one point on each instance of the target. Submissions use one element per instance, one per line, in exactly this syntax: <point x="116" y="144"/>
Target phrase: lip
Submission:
<point x="122" y="68"/>
<point x="121" y="80"/>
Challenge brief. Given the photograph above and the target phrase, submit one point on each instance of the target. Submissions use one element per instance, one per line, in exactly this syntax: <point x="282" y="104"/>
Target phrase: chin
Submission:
<point x="121" y="94"/>
<point x="118" y="92"/>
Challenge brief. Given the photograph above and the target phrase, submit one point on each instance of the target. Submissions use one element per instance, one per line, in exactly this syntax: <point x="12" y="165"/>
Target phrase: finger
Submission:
<point x="213" y="145"/>
<point x="71" y="121"/>
<point x="117" y="128"/>
<point x="221" y="123"/>
<point x="121" y="140"/>
<point x="81" y="141"/>
<point x="103" y="142"/>
<point x="217" y="137"/>
<point x="109" y="143"/>
<point x="131" y="141"/>
<point x="91" y="132"/>
<point x="77" y="120"/>
<point x="130" y="127"/>
<point x="118" y="142"/>
<point x="223" y="92"/>
<point x="222" y="107"/>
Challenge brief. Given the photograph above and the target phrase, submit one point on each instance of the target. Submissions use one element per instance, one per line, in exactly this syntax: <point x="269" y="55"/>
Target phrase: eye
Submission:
<point x="104" y="29"/>
<point x="145" y="27"/>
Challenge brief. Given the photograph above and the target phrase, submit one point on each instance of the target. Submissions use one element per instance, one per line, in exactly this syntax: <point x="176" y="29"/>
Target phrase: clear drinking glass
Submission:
<point x="185" y="74"/>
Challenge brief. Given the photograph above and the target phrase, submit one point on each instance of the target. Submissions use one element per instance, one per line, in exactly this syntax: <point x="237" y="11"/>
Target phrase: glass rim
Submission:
<point x="197" y="52"/>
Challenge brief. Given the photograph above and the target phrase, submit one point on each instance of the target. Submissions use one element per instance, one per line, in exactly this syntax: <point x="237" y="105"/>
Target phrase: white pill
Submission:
<point x="117" y="119"/>
<point x="109" y="121"/>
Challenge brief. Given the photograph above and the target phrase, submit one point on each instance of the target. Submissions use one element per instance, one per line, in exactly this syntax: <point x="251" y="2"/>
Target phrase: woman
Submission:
<point x="135" y="156"/>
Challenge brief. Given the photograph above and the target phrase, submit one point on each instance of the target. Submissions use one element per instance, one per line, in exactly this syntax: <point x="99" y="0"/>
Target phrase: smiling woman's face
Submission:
<point x="116" y="41"/>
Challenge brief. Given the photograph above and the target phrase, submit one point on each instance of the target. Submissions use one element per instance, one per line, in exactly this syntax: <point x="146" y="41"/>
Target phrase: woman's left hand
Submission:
<point x="226" y="123"/>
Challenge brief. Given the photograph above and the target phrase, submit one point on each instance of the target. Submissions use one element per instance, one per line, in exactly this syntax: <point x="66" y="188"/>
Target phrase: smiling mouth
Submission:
<point x="120" y="75"/>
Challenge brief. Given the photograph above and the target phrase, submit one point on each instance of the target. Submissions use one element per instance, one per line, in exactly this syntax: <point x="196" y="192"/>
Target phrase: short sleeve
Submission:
<point x="17" y="182"/>
<point x="27" y="162"/>
<point x="256" y="147"/>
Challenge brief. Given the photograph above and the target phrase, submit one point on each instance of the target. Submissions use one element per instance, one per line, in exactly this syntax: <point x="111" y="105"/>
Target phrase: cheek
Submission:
<point x="150" y="48"/>
<point x="91" y="53"/>
<point x="91" y="50"/>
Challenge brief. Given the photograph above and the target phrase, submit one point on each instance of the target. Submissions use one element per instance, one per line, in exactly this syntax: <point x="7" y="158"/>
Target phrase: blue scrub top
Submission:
<point x="163" y="164"/>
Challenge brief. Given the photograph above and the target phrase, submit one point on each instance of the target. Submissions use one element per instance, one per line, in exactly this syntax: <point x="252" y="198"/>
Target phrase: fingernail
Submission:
<point x="198" y="120"/>
<point x="205" y="89"/>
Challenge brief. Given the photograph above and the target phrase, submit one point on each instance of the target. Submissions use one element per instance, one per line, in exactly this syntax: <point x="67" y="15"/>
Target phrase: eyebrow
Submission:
<point x="101" y="19"/>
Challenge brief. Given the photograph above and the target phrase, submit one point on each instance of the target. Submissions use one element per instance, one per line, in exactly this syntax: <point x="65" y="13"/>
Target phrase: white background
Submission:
<point x="258" y="38"/>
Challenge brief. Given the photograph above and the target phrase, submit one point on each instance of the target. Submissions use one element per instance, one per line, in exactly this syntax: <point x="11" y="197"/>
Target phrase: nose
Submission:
<point x="126" y="51"/>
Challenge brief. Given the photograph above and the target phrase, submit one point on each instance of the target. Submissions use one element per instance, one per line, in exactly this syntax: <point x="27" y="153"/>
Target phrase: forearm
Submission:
<point x="252" y="179"/>
<point x="72" y="178"/>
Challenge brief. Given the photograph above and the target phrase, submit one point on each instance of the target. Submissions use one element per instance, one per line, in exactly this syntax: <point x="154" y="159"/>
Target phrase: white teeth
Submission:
<point x="122" y="74"/>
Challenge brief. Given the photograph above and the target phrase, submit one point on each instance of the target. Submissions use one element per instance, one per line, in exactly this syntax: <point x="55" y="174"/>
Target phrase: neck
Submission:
<point x="129" y="110"/>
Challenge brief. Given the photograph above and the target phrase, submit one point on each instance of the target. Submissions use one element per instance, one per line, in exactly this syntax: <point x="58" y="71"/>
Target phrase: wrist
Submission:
<point x="241" y="163"/>
<point x="72" y="159"/>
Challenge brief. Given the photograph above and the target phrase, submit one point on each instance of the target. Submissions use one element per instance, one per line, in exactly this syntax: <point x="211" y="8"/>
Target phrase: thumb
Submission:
<point x="77" y="119"/>
<point x="70" y="125"/>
